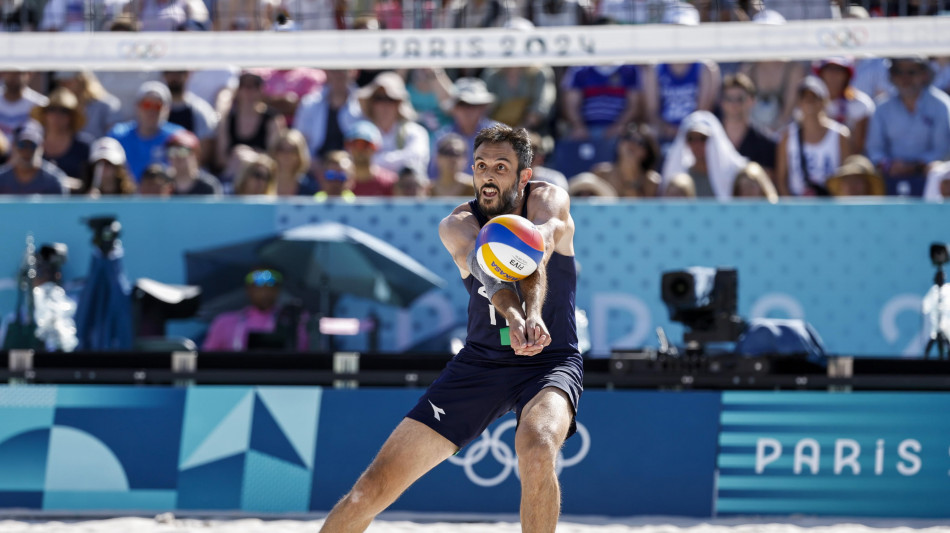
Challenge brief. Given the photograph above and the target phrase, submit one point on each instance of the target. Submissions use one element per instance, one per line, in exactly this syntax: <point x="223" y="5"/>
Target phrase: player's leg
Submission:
<point x="542" y="429"/>
<point x="410" y="451"/>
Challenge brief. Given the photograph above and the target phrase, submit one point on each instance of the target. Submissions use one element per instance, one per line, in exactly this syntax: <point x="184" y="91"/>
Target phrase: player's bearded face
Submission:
<point x="497" y="201"/>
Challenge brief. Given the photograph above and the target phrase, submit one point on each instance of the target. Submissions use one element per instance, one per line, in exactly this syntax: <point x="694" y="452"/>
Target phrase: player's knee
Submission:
<point x="538" y="443"/>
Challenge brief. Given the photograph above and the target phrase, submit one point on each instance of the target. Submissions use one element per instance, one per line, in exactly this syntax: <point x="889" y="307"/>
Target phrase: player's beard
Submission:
<point x="504" y="201"/>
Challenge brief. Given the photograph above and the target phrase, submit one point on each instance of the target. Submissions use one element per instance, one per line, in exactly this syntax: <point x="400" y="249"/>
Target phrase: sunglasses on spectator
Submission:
<point x="450" y="153"/>
<point x="260" y="175"/>
<point x="362" y="144"/>
<point x="696" y="138"/>
<point x="263" y="278"/>
<point x="734" y="99"/>
<point x="907" y="71"/>
<point x="26" y="145"/>
<point x="178" y="151"/>
<point x="382" y="98"/>
<point x="334" y="175"/>
<point x="150" y="105"/>
<point x="58" y="109"/>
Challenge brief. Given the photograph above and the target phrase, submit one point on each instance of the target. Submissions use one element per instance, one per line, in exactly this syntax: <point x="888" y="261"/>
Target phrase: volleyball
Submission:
<point x="509" y="247"/>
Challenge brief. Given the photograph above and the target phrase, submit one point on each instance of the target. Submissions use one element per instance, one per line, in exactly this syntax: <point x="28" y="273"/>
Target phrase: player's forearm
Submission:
<point x="507" y="303"/>
<point x="534" y="289"/>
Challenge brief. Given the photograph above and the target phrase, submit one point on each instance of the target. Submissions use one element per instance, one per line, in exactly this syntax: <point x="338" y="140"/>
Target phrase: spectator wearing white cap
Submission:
<point x="144" y="139"/>
<point x="469" y="110"/>
<point x="813" y="146"/>
<point x="385" y="102"/>
<point x="110" y="175"/>
<point x="28" y="172"/>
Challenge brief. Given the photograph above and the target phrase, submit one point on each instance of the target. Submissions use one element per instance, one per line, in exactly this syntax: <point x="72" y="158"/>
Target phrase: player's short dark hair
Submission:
<point x="517" y="138"/>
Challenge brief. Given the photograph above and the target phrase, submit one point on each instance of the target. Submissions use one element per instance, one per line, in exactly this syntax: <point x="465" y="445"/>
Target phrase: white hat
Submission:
<point x="154" y="88"/>
<point x="472" y="91"/>
<point x="109" y="149"/>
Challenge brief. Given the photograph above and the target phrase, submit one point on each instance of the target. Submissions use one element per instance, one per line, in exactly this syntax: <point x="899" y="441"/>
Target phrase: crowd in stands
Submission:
<point x="769" y="129"/>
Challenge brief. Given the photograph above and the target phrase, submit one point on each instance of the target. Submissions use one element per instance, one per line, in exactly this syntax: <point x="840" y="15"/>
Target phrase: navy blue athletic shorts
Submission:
<point x="469" y="395"/>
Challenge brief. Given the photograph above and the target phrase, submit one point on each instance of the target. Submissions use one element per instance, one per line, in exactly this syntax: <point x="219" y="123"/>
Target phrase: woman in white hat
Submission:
<point x="110" y="175"/>
<point x="405" y="143"/>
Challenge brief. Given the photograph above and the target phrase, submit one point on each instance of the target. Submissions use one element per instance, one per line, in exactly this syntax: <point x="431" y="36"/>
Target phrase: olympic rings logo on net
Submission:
<point x="843" y="37"/>
<point x="490" y="442"/>
<point x="142" y="49"/>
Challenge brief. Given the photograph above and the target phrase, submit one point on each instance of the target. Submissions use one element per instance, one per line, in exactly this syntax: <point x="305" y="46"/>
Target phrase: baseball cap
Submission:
<point x="472" y="91"/>
<point x="30" y="130"/>
<point x="840" y="61"/>
<point x="814" y="85"/>
<point x="367" y="131"/>
<point x="156" y="89"/>
<point x="184" y="138"/>
<point x="109" y="149"/>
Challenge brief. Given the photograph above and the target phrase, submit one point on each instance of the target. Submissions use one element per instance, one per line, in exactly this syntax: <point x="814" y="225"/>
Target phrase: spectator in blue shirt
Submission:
<point x="601" y="100"/>
<point x="910" y="130"/>
<point x="28" y="172"/>
<point x="143" y="139"/>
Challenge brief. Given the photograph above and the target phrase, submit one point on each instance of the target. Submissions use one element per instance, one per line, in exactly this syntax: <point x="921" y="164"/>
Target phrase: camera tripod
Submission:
<point x="938" y="338"/>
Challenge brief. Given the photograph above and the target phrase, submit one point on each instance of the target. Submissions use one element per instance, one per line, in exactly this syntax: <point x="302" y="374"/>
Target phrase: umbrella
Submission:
<point x="320" y="262"/>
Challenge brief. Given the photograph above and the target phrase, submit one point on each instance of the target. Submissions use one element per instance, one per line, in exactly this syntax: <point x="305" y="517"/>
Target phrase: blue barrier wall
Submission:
<point x="856" y="271"/>
<point x="298" y="449"/>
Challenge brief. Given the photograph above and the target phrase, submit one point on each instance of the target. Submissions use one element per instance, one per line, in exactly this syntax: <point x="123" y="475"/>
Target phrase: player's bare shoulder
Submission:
<point x="458" y="231"/>
<point x="553" y="204"/>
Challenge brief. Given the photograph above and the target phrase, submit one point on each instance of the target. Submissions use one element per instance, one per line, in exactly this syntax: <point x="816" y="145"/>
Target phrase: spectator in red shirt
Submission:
<point x="362" y="141"/>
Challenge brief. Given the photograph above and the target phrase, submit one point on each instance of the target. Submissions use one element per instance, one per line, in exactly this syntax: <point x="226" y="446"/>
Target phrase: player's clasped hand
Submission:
<point x="529" y="339"/>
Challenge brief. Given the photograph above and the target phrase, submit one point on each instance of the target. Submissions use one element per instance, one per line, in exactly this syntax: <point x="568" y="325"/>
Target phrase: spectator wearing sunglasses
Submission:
<point x="28" y="172"/>
<point x="184" y="154"/>
<point x="144" y="138"/>
<point x="256" y="177"/>
<point x="336" y="181"/>
<point x="362" y="142"/>
<point x="230" y="331"/>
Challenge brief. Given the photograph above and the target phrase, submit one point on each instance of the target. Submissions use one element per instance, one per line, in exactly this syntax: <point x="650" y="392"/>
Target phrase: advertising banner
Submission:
<point x="556" y="46"/>
<point x="633" y="453"/>
<point x="299" y="449"/>
<point x="858" y="454"/>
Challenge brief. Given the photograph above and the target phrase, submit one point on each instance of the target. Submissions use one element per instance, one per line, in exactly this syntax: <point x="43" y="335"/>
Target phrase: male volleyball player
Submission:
<point x="537" y="374"/>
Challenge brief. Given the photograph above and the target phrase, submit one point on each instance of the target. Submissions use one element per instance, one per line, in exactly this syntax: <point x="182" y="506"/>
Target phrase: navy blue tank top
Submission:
<point x="485" y="323"/>
<point x="679" y="96"/>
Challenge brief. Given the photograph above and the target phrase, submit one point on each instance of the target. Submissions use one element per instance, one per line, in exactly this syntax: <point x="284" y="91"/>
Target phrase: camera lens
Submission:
<point x="679" y="287"/>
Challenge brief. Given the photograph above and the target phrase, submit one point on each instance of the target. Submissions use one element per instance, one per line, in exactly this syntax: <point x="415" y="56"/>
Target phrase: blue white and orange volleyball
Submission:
<point x="509" y="247"/>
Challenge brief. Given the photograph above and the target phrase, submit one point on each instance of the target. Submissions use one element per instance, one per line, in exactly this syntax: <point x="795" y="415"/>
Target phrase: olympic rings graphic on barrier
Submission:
<point x="502" y="452"/>
<point x="843" y="37"/>
<point x="142" y="49"/>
